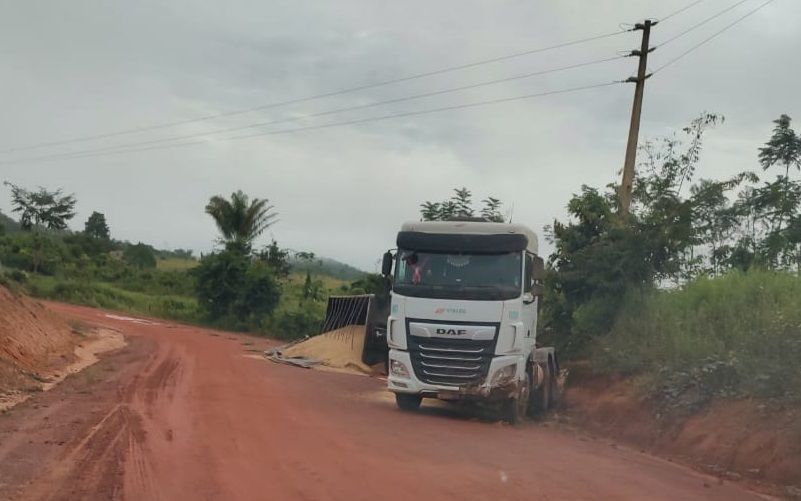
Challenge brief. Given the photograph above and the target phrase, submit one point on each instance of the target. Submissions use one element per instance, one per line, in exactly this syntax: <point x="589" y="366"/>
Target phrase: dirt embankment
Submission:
<point x="735" y="439"/>
<point x="39" y="348"/>
<point x="34" y="342"/>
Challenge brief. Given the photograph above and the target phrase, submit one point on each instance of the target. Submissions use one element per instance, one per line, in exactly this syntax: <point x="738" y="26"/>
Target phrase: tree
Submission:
<point x="430" y="211"/>
<point x="783" y="148"/>
<point x="600" y="258"/>
<point x="492" y="210"/>
<point x="770" y="212"/>
<point x="460" y="205"/>
<point x="219" y="278"/>
<point x="277" y="259"/>
<point x="312" y="289"/>
<point x="40" y="210"/>
<point x="716" y="220"/>
<point x="240" y="220"/>
<point x="96" y="226"/>
<point x="140" y="255"/>
<point x="463" y="202"/>
<point x="233" y="288"/>
<point x="307" y="285"/>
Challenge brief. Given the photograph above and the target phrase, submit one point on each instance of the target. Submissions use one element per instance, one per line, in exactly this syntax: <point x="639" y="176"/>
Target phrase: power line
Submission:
<point x="662" y="20"/>
<point x="704" y="41"/>
<point x="316" y="96"/>
<point x="707" y="20"/>
<point x="314" y="127"/>
<point x="339" y="110"/>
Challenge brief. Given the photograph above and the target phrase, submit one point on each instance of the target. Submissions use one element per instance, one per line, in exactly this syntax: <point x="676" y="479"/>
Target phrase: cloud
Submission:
<point x="79" y="68"/>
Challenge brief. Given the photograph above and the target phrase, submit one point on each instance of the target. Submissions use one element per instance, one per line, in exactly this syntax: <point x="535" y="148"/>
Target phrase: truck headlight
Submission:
<point x="504" y="375"/>
<point x="397" y="368"/>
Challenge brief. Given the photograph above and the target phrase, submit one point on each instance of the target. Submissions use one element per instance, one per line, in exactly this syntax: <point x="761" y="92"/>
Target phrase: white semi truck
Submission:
<point x="463" y="317"/>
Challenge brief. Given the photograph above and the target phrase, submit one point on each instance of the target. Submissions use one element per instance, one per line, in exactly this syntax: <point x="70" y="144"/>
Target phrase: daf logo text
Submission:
<point x="452" y="332"/>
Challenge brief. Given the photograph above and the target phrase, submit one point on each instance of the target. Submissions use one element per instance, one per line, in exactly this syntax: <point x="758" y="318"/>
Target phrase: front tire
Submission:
<point x="408" y="402"/>
<point x="515" y="409"/>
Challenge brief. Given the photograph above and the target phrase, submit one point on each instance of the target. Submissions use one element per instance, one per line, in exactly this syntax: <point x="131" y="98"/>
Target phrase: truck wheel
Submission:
<point x="553" y="387"/>
<point x="408" y="402"/>
<point x="541" y="398"/>
<point x="515" y="409"/>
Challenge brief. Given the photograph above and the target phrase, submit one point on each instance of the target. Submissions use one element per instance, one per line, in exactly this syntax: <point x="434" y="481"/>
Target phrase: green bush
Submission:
<point x="140" y="256"/>
<point x="233" y="287"/>
<point x="740" y="333"/>
<point x="295" y="324"/>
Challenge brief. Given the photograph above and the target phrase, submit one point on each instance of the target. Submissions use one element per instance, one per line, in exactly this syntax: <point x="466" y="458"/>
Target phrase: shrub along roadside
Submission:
<point x="735" y="335"/>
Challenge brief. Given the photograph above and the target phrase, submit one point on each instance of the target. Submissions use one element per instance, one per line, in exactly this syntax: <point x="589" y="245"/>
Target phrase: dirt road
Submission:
<point x="186" y="414"/>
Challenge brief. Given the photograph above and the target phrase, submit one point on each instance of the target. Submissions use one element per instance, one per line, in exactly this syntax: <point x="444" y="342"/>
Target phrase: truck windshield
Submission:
<point x="479" y="276"/>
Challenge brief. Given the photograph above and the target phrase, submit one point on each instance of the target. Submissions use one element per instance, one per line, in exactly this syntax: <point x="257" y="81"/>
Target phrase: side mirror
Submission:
<point x="528" y="298"/>
<point x="386" y="264"/>
<point x="538" y="269"/>
<point x="538" y="290"/>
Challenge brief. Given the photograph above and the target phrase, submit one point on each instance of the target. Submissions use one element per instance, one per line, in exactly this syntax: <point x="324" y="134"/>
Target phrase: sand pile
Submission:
<point x="34" y="342"/>
<point x="338" y="350"/>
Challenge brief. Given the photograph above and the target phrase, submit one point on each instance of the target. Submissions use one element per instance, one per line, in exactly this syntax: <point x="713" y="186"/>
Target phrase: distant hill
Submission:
<point x="329" y="267"/>
<point x="10" y="224"/>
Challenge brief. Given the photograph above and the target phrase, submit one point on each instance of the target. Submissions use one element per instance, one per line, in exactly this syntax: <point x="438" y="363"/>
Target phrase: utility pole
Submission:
<point x="636" y="111"/>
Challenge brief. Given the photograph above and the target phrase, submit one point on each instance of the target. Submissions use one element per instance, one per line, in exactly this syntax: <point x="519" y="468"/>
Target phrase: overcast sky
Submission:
<point x="81" y="68"/>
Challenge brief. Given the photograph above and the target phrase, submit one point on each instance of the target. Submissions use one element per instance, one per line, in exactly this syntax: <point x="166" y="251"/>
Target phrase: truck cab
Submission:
<point x="463" y="317"/>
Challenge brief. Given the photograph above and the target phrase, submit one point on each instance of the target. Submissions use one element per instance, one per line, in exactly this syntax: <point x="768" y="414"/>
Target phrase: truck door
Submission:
<point x="529" y="313"/>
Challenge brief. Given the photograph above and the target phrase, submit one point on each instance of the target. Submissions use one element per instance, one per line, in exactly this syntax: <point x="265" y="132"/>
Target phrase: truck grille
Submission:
<point x="449" y="362"/>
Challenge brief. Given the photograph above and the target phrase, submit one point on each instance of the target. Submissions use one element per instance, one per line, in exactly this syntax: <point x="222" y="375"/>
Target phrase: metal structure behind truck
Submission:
<point x="463" y="317"/>
<point x="367" y="311"/>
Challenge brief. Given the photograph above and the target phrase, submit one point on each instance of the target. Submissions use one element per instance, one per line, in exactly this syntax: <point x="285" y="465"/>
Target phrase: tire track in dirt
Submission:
<point x="113" y="456"/>
<point x="151" y="390"/>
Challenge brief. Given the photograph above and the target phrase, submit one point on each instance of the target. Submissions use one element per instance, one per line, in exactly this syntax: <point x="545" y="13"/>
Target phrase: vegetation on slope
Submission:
<point x="698" y="287"/>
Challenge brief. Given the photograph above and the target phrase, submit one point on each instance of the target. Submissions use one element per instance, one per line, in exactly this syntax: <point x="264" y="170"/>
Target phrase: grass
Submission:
<point x="293" y="290"/>
<point x="174" y="263"/>
<point x="293" y="318"/>
<point x="739" y="334"/>
<point x="109" y="296"/>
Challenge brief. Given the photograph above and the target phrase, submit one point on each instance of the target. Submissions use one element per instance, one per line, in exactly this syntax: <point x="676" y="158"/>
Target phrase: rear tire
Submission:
<point x="553" y="393"/>
<point x="408" y="402"/>
<point x="542" y="398"/>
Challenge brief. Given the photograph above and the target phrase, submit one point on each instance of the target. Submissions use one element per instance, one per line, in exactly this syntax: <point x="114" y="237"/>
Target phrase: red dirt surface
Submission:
<point x="33" y="340"/>
<point x="186" y="413"/>
<point x="732" y="438"/>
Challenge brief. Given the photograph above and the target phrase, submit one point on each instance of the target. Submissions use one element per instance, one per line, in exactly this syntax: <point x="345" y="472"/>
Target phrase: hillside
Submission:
<point x="8" y="224"/>
<point x="328" y="267"/>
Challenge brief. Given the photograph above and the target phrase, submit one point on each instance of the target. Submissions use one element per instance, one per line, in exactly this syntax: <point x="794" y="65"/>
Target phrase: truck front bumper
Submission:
<point x="401" y="379"/>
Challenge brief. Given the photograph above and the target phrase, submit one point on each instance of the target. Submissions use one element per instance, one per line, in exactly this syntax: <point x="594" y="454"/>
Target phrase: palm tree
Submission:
<point x="239" y="220"/>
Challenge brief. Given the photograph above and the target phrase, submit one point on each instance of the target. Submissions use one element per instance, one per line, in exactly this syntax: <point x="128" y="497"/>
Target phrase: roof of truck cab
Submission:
<point x="474" y="228"/>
